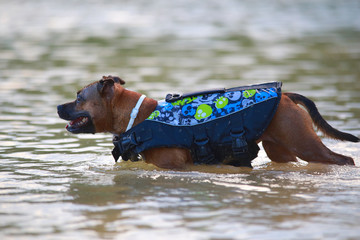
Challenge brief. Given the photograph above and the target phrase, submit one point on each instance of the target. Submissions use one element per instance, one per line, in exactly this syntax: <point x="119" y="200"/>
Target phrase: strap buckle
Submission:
<point x="172" y="97"/>
<point x="203" y="151"/>
<point x="239" y="144"/>
<point x="124" y="147"/>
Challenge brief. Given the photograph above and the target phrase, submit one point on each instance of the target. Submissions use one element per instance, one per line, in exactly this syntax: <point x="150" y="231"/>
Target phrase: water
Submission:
<point x="54" y="185"/>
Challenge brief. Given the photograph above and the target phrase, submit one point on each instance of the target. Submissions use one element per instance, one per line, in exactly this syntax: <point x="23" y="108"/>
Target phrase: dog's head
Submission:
<point x="91" y="111"/>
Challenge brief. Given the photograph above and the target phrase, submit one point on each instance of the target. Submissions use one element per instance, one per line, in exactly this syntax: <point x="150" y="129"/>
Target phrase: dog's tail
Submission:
<point x="319" y="121"/>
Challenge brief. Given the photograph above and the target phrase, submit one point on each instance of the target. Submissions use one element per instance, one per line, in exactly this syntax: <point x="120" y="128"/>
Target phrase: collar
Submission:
<point x="135" y="112"/>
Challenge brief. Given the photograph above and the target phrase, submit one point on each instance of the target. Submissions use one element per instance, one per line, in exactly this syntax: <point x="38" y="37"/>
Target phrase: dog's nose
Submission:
<point x="59" y="108"/>
<point x="66" y="111"/>
<point x="60" y="111"/>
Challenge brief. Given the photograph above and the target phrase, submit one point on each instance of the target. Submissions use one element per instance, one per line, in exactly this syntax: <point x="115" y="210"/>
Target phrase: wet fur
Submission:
<point x="289" y="136"/>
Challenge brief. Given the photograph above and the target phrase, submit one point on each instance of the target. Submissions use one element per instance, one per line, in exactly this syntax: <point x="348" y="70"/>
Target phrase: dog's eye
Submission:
<point x="79" y="99"/>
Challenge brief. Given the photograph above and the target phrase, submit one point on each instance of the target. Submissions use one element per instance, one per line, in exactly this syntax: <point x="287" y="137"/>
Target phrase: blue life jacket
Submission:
<point x="217" y="126"/>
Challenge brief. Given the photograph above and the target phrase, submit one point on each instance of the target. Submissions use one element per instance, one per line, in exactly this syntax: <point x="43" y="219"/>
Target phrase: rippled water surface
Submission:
<point x="55" y="185"/>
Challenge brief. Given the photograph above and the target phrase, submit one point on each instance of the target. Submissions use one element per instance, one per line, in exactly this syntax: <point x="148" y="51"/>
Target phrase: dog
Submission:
<point x="106" y="106"/>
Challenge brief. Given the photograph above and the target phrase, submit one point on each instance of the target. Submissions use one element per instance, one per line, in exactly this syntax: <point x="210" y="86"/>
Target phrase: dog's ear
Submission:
<point x="106" y="87"/>
<point x="115" y="78"/>
<point x="119" y="80"/>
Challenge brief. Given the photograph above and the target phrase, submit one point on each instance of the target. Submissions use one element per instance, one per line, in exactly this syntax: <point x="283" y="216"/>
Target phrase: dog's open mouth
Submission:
<point x="82" y="124"/>
<point x="79" y="122"/>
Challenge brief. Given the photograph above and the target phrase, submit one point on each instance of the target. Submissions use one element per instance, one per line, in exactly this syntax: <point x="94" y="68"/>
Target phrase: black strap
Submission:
<point x="174" y="97"/>
<point x="237" y="133"/>
<point x="126" y="143"/>
<point x="203" y="152"/>
<point x="239" y="143"/>
<point x="243" y="150"/>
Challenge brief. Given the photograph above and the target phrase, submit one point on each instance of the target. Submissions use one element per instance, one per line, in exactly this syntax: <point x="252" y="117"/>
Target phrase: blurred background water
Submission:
<point x="54" y="185"/>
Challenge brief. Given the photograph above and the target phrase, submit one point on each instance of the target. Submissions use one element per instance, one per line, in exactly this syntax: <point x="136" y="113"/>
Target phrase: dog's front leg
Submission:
<point x="169" y="158"/>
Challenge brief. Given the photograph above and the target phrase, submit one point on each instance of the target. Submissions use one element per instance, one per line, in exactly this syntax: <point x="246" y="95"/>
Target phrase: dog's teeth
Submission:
<point x="78" y="122"/>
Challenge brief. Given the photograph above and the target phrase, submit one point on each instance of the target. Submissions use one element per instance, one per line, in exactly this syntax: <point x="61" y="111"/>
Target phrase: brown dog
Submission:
<point x="105" y="106"/>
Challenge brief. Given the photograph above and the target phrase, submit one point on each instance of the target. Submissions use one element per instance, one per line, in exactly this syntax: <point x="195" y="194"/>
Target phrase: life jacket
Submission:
<point x="217" y="126"/>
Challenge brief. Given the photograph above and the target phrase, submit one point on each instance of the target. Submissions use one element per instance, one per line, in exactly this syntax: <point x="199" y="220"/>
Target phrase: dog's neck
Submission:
<point x="122" y="115"/>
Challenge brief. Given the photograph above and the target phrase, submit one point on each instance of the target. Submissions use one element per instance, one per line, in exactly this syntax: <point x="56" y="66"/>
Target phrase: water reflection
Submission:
<point x="159" y="202"/>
